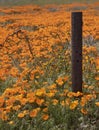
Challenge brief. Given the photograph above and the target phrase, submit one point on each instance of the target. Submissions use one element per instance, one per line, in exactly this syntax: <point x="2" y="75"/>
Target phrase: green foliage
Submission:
<point x="40" y="2"/>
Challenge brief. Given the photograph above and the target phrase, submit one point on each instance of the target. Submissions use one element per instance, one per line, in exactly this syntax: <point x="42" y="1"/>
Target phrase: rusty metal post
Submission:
<point x="76" y="41"/>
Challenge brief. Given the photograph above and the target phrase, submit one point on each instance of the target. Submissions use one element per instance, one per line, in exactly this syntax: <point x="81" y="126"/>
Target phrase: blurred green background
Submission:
<point x="41" y="2"/>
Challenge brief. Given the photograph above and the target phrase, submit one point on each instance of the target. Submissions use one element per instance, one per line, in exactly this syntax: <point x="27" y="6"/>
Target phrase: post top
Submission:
<point x="77" y="13"/>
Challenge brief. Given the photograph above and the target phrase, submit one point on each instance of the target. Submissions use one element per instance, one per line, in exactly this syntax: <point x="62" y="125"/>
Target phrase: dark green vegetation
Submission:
<point x="41" y="2"/>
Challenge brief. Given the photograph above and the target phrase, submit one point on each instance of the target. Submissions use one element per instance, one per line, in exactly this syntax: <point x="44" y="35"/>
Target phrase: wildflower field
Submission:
<point x="35" y="68"/>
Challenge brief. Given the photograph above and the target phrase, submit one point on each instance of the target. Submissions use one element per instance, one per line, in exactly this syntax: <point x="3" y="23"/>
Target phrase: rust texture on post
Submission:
<point x="76" y="41"/>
